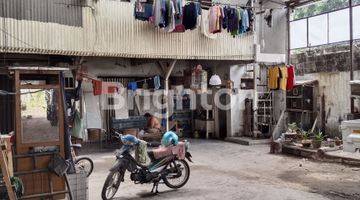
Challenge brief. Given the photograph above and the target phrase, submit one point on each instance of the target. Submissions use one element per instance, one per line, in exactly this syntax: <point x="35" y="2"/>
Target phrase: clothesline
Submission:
<point x="224" y="4"/>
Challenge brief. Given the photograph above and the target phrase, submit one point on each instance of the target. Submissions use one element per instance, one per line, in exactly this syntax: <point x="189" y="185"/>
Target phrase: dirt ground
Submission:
<point x="223" y="170"/>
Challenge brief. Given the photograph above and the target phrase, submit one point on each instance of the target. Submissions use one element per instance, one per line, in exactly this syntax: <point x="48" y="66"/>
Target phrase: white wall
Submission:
<point x="236" y="126"/>
<point x="336" y="89"/>
<point x="272" y="40"/>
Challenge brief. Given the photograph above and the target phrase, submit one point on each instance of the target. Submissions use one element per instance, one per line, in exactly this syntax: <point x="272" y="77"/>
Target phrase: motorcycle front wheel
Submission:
<point x="179" y="177"/>
<point x="111" y="184"/>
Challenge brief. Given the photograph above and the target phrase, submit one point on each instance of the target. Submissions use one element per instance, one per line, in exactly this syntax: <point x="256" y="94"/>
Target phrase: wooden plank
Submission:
<point x="5" y="171"/>
<point x="41" y="87"/>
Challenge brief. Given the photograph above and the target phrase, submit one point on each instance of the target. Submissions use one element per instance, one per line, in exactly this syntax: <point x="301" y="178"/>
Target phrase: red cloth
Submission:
<point x="291" y="77"/>
<point x="100" y="87"/>
<point x="97" y="87"/>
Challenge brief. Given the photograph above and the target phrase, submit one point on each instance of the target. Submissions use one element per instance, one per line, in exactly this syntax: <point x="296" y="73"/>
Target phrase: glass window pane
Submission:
<point x="318" y="30"/>
<point x="339" y="26"/>
<point x="298" y="34"/>
<point x="39" y="115"/>
<point x="356" y="2"/>
<point x="356" y="22"/>
<point x="319" y="7"/>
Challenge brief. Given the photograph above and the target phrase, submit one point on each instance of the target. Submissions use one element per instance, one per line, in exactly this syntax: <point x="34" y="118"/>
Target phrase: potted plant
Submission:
<point x="306" y="142"/>
<point x="291" y="133"/>
<point x="337" y="141"/>
<point x="319" y="137"/>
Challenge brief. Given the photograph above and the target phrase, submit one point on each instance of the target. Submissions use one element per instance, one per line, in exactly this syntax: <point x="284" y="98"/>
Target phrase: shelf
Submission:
<point x="295" y="97"/>
<point x="299" y="110"/>
<point x="264" y="100"/>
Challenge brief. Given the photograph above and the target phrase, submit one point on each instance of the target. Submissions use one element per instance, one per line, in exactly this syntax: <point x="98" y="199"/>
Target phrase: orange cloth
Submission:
<point x="273" y="78"/>
<point x="284" y="77"/>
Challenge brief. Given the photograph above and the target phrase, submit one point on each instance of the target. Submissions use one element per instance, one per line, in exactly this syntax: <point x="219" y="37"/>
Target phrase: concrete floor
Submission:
<point x="230" y="171"/>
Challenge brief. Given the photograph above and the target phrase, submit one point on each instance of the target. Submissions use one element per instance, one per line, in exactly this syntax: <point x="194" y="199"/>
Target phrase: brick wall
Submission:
<point x="330" y="58"/>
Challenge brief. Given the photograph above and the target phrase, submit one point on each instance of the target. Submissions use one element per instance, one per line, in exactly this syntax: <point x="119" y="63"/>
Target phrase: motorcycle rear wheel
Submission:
<point x="185" y="173"/>
<point x="111" y="184"/>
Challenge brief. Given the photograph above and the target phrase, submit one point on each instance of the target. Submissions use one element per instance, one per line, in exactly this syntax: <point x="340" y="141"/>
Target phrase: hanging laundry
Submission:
<point x="97" y="87"/>
<point x="190" y="16"/>
<point x="100" y="87"/>
<point x="244" y="21"/>
<point x="179" y="27"/>
<point x="170" y="16"/>
<point x="159" y="13"/>
<point x="283" y="78"/>
<point x="251" y="19"/>
<point x="231" y="20"/>
<point x="274" y="75"/>
<point x="132" y="86"/>
<point x="216" y="16"/>
<point x="157" y="83"/>
<point x="205" y="26"/>
<point x="268" y="17"/>
<point x="143" y="11"/>
<point x="291" y="77"/>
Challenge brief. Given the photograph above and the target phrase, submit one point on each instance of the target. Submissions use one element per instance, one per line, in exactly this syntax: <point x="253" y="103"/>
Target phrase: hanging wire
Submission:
<point x="6" y="93"/>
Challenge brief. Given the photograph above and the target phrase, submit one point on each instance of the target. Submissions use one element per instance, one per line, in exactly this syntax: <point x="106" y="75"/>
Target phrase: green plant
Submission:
<point x="293" y="127"/>
<point x="305" y="135"/>
<point x="319" y="136"/>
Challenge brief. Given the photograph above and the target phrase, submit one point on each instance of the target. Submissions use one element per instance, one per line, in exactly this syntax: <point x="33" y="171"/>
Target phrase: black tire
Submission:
<point x="114" y="184"/>
<point x="86" y="164"/>
<point x="187" y="176"/>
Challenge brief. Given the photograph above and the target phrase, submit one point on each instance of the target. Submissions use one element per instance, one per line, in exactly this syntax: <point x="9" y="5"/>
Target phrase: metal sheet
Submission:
<point x="67" y="12"/>
<point x="109" y="29"/>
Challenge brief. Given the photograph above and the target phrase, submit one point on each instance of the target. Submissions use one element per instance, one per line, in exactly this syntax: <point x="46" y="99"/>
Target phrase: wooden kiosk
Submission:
<point x="39" y="130"/>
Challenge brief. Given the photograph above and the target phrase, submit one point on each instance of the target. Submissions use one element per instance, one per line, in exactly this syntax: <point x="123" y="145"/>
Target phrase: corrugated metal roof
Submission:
<point x="110" y="30"/>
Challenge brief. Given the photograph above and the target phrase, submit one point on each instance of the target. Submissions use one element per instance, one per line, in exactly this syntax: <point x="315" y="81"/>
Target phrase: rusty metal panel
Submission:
<point x="109" y="29"/>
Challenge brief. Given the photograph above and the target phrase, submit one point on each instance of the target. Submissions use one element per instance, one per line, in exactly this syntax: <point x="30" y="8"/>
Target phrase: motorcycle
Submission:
<point x="170" y="170"/>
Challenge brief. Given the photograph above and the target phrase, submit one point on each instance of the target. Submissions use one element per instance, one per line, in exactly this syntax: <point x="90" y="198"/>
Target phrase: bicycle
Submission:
<point x="82" y="163"/>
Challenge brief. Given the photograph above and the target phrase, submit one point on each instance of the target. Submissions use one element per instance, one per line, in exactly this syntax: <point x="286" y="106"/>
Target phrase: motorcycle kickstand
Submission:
<point x="155" y="187"/>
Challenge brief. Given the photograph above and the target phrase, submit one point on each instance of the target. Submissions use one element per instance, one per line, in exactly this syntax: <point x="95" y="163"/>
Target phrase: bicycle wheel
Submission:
<point x="84" y="164"/>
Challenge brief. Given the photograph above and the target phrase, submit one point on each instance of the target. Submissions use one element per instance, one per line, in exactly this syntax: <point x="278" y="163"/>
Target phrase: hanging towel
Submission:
<point x="273" y="81"/>
<point x="97" y="87"/>
<point x="284" y="77"/>
<point x="291" y="77"/>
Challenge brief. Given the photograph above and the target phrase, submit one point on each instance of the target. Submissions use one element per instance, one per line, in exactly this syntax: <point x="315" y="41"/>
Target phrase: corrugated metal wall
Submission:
<point x="110" y="30"/>
<point x="67" y="12"/>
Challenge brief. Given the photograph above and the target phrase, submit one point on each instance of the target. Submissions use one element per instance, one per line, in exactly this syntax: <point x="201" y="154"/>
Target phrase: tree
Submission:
<point x="320" y="7"/>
